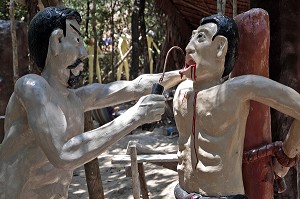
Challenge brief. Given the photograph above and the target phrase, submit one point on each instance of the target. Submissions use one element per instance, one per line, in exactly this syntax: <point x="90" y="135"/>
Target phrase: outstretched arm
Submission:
<point x="97" y="95"/>
<point x="51" y="129"/>
<point x="283" y="99"/>
<point x="270" y="93"/>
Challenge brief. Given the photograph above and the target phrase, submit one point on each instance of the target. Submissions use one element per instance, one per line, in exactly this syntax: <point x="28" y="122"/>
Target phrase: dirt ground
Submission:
<point x="160" y="181"/>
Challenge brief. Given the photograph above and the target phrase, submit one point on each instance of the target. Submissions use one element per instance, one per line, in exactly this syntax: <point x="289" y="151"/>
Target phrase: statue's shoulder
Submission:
<point x="32" y="86"/>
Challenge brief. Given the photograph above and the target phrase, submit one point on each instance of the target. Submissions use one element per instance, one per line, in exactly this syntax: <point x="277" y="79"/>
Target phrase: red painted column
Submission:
<point x="253" y="58"/>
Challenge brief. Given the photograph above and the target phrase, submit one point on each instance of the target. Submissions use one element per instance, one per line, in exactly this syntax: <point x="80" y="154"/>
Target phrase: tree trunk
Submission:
<point x="87" y="18"/>
<point x="92" y="171"/>
<point x="112" y="5"/>
<point x="55" y="3"/>
<point x="143" y="46"/>
<point x="14" y="40"/>
<point x="32" y="9"/>
<point x="135" y="40"/>
<point x="93" y="11"/>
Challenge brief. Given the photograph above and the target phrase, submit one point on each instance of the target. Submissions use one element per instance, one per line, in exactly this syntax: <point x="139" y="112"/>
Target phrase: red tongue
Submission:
<point x="193" y="70"/>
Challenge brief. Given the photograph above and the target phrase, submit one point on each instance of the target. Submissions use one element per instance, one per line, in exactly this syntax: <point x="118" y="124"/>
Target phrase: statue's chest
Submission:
<point x="201" y="111"/>
<point x="74" y="115"/>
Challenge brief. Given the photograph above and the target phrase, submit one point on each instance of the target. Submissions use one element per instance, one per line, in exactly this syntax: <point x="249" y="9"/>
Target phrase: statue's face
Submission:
<point x="69" y="52"/>
<point x="74" y="51"/>
<point x="201" y="53"/>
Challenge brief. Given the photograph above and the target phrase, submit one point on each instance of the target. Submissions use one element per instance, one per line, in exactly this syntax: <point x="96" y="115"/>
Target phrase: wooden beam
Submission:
<point x="123" y="159"/>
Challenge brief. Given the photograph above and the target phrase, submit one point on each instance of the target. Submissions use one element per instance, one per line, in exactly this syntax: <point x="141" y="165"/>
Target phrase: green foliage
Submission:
<point x="154" y="21"/>
<point x="111" y="18"/>
<point x="20" y="10"/>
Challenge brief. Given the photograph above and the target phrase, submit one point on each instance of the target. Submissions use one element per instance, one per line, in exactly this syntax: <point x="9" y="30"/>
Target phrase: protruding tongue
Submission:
<point x="187" y="67"/>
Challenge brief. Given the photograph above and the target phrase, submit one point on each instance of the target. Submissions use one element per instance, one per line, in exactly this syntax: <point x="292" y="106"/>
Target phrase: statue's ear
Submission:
<point x="222" y="45"/>
<point x="55" y="40"/>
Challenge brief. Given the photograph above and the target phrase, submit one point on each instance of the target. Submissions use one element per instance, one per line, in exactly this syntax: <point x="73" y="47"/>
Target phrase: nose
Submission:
<point x="83" y="51"/>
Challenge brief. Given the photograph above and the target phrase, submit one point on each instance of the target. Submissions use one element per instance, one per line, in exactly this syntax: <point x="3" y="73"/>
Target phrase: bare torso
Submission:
<point x="211" y="125"/>
<point x="44" y="130"/>
<point x="24" y="167"/>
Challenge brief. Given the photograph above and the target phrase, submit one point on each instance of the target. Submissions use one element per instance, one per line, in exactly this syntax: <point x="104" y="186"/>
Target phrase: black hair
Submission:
<point x="226" y="27"/>
<point x="41" y="27"/>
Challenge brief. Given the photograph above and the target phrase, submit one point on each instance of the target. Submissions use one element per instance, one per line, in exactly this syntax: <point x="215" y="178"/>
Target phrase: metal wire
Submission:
<point x="166" y="61"/>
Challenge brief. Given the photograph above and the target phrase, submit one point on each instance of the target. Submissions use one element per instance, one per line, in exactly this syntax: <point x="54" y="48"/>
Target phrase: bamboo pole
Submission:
<point x="234" y="8"/>
<point x="221" y="6"/>
<point x="14" y="40"/>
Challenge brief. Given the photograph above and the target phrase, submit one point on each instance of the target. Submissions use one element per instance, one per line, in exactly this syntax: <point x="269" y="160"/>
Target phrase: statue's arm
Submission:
<point x="49" y="125"/>
<point x="97" y="95"/>
<point x="155" y="46"/>
<point x="268" y="92"/>
<point x="281" y="98"/>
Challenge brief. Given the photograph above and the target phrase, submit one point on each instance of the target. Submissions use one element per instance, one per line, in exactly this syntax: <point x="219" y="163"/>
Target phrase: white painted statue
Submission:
<point x="44" y="126"/>
<point x="211" y="114"/>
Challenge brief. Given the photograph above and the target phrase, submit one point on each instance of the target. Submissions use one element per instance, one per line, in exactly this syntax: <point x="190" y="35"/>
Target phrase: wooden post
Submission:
<point x="253" y="58"/>
<point x="135" y="173"/>
<point x="92" y="171"/>
<point x="143" y="183"/>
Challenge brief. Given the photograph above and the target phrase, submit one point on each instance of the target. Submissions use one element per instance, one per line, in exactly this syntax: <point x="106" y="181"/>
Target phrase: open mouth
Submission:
<point x="75" y="70"/>
<point x="77" y="66"/>
<point x="190" y="65"/>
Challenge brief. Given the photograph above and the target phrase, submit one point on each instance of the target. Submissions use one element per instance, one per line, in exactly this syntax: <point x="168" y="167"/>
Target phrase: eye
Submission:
<point x="200" y="35"/>
<point x="78" y="40"/>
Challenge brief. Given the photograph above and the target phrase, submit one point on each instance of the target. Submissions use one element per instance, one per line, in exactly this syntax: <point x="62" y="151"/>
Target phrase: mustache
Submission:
<point x="75" y="64"/>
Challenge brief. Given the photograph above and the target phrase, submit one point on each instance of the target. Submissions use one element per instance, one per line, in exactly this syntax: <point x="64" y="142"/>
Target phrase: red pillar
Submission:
<point x="253" y="58"/>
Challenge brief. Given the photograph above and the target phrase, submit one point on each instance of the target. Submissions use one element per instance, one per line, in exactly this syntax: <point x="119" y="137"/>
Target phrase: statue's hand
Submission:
<point x="279" y="170"/>
<point x="284" y="162"/>
<point x="149" y="108"/>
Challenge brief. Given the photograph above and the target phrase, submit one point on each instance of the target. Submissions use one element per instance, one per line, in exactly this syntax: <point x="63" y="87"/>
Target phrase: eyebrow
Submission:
<point x="76" y="30"/>
<point x="197" y="31"/>
<point x="202" y="30"/>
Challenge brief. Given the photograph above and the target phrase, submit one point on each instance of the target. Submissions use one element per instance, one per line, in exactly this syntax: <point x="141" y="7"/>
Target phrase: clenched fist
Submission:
<point x="149" y="108"/>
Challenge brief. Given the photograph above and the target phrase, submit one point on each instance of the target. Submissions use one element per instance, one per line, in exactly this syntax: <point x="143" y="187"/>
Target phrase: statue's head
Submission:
<point x="151" y="33"/>
<point x="226" y="27"/>
<point x="41" y="28"/>
<point x="212" y="49"/>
